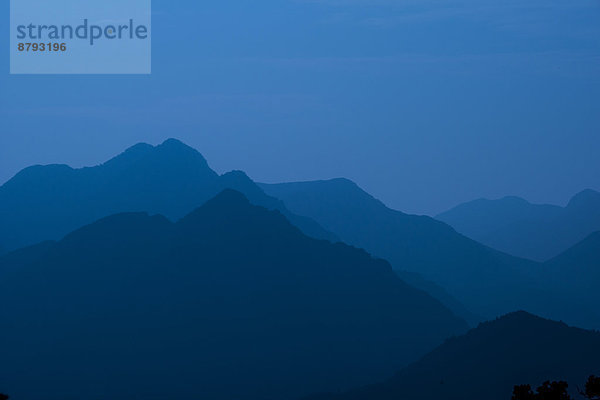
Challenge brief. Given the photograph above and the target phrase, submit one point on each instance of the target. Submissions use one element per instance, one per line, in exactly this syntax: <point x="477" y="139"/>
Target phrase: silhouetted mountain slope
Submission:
<point x="46" y="202"/>
<point x="584" y="257"/>
<point x="230" y="302"/>
<point x="534" y="231"/>
<point x="416" y="280"/>
<point x="488" y="361"/>
<point x="486" y="281"/>
<point x="576" y="272"/>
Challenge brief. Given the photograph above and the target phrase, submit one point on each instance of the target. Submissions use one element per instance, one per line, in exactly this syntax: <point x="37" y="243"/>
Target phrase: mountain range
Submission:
<point x="231" y="301"/>
<point x="534" y="231"/>
<point x="489" y="360"/>
<point x="486" y="281"/>
<point x="46" y="202"/>
<point x="475" y="281"/>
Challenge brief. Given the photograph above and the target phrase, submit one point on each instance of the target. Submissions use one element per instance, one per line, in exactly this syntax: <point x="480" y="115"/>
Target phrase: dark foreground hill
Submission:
<point x="230" y="302"/>
<point x="535" y="231"/>
<point x="47" y="202"/>
<point x="486" y="281"/>
<point x="488" y="361"/>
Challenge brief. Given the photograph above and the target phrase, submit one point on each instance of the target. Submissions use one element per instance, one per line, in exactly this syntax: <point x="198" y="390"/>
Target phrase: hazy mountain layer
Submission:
<point x="230" y="302"/>
<point x="535" y="231"/>
<point x="488" y="282"/>
<point x="576" y="272"/>
<point x="47" y="202"/>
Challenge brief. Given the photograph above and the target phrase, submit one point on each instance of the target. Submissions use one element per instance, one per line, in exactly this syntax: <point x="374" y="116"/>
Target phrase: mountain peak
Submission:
<point x="130" y="155"/>
<point x="172" y="159"/>
<point x="236" y="176"/>
<point x="514" y="200"/>
<point x="38" y="173"/>
<point x="231" y="214"/>
<point x="224" y="205"/>
<point x="139" y="148"/>
<point x="483" y="361"/>
<point x="175" y="144"/>
<point x="519" y="315"/>
<point x="173" y="141"/>
<point x="328" y="188"/>
<point x="343" y="182"/>
<point x="585" y="255"/>
<point x="229" y="198"/>
<point x="584" y="198"/>
<point x="171" y="179"/>
<point x="170" y="147"/>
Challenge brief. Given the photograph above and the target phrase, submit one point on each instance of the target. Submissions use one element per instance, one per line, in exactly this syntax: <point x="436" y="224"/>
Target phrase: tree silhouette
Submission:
<point x="553" y="391"/>
<point x="592" y="388"/>
<point x="523" y="392"/>
<point x="547" y="391"/>
<point x="3" y="396"/>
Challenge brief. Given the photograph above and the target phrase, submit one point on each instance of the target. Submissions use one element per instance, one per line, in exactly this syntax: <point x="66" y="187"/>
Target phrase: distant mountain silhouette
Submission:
<point x="46" y="202"/>
<point x="230" y="302"/>
<point x="486" y="281"/>
<point x="486" y="362"/>
<point x="535" y="231"/>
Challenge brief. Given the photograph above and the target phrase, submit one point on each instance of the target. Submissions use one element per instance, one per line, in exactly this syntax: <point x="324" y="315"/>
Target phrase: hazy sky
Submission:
<point x="425" y="103"/>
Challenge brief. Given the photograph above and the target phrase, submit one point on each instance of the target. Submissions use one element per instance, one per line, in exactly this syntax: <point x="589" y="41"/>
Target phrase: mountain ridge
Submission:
<point x="486" y="281"/>
<point x="230" y="301"/>
<point x="45" y="202"/>
<point x="534" y="231"/>
<point x="489" y="360"/>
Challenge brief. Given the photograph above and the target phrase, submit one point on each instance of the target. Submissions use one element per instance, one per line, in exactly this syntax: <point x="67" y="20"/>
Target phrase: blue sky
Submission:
<point x="423" y="103"/>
